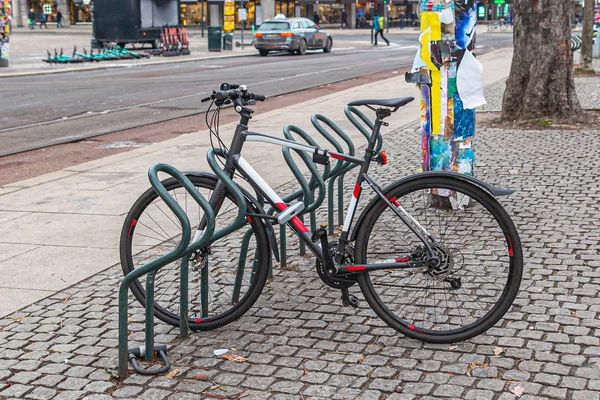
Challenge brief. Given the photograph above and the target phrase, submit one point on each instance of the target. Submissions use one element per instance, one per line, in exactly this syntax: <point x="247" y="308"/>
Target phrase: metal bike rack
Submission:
<point x="239" y="222"/>
<point x="183" y="250"/>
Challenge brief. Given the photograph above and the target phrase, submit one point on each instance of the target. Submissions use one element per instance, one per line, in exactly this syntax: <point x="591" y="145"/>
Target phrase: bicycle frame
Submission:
<point x="236" y="162"/>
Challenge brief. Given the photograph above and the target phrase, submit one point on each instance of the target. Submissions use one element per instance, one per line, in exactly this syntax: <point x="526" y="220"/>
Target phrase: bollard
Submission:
<point x="596" y="48"/>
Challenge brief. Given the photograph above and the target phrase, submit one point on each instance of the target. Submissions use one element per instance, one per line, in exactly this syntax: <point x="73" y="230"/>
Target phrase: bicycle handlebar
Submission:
<point x="233" y="92"/>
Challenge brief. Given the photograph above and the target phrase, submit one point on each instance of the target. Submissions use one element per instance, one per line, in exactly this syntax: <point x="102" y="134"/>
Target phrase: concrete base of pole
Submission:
<point x="3" y="62"/>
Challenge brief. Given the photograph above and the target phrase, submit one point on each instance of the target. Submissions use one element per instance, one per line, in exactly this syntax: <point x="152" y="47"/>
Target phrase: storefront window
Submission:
<point x="285" y="7"/>
<point x="80" y="11"/>
<point x="331" y="13"/>
<point x="250" y="13"/>
<point x="363" y="15"/>
<point x="191" y="14"/>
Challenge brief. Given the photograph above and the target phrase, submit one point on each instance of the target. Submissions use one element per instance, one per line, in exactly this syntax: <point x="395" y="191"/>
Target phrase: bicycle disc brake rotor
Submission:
<point x="337" y="282"/>
<point x="445" y="265"/>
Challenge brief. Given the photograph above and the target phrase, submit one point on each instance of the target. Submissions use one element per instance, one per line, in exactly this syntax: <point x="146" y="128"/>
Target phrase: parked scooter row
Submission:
<point x="175" y="41"/>
<point x="107" y="54"/>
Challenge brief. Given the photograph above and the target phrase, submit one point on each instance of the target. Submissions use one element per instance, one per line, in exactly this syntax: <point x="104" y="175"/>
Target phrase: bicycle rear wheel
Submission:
<point x="480" y="252"/>
<point x="224" y="280"/>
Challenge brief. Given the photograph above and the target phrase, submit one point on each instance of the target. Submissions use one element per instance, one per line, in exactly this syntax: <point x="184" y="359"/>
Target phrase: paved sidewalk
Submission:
<point x="62" y="228"/>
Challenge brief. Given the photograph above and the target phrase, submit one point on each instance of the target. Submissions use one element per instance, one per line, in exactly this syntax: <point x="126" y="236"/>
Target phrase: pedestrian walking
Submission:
<point x="31" y="19"/>
<point x="402" y="20"/>
<point x="316" y="19"/>
<point x="59" y="18"/>
<point x="43" y="20"/>
<point x="344" y="24"/>
<point x="378" y="27"/>
<point x="413" y="19"/>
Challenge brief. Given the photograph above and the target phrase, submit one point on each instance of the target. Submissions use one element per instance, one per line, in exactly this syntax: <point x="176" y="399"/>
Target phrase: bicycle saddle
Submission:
<point x="392" y="103"/>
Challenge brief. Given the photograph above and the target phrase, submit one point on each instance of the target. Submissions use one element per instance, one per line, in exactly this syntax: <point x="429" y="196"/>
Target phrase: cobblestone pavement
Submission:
<point x="589" y="99"/>
<point x="301" y="343"/>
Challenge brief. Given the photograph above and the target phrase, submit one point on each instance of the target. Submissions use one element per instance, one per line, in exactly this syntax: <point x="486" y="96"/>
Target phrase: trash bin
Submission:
<point x="228" y="41"/>
<point x="215" y="33"/>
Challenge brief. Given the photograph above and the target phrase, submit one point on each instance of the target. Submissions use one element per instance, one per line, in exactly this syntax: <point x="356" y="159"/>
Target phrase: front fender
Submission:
<point x="259" y="210"/>
<point x="494" y="191"/>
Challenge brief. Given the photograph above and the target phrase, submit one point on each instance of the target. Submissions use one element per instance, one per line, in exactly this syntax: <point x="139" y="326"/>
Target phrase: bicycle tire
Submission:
<point x="154" y="232"/>
<point x="500" y="247"/>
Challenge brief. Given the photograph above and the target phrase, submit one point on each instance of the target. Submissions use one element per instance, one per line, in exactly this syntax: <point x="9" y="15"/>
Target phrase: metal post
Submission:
<point x="95" y="44"/>
<point x="371" y="8"/>
<point x="385" y="17"/>
<point x="202" y="17"/>
<point x="183" y="296"/>
<point x="243" y="23"/>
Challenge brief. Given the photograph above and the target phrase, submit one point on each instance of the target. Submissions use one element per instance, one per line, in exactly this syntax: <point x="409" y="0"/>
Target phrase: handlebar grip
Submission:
<point x="259" y="97"/>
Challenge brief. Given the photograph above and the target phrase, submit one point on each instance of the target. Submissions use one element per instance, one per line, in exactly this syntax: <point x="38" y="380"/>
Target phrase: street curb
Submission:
<point x="99" y="67"/>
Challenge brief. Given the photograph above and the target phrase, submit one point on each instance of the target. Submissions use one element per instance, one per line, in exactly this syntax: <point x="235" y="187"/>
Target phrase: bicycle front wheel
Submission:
<point x="480" y="256"/>
<point x="225" y="278"/>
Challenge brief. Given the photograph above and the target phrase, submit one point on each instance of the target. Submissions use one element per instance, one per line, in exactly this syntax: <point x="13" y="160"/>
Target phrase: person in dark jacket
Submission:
<point x="43" y="20"/>
<point x="344" y="24"/>
<point x="31" y="19"/>
<point x="316" y="19"/>
<point x="59" y="18"/>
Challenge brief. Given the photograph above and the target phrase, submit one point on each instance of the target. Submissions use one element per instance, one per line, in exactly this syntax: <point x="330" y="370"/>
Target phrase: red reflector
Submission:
<point x="402" y="260"/>
<point x="133" y="223"/>
<point x="336" y="156"/>
<point x="249" y="219"/>
<point x="356" y="268"/>
<point x="383" y="157"/>
<point x="510" y="248"/>
<point x="411" y="327"/>
<point x="197" y="320"/>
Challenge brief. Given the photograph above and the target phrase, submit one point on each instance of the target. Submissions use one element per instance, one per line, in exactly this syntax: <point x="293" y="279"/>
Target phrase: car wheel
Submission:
<point x="157" y="44"/>
<point x="302" y="48"/>
<point x="328" y="46"/>
<point x="263" y="53"/>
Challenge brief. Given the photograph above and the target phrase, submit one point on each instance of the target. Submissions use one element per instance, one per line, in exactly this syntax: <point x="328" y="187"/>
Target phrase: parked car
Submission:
<point x="295" y="35"/>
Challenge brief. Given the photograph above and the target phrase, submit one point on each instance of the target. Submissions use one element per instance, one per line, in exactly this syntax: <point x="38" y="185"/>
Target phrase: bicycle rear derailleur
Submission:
<point x="326" y="270"/>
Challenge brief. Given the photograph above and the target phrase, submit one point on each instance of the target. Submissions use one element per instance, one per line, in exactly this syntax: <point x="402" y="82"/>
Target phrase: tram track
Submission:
<point x="85" y="125"/>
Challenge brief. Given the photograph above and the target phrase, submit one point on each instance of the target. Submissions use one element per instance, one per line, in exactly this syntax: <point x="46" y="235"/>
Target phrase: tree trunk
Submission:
<point x="587" y="37"/>
<point x="540" y="85"/>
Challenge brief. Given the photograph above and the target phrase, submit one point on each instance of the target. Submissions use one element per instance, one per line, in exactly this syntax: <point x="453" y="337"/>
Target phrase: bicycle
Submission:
<point x="434" y="254"/>
<point x="500" y="25"/>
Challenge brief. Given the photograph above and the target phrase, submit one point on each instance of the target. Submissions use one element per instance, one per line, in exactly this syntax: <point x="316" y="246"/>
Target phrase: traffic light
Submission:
<point x="385" y="2"/>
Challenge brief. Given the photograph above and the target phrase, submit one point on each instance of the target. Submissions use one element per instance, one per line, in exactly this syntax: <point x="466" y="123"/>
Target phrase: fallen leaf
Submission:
<point x="173" y="373"/>
<point x="360" y="359"/>
<point x="452" y="347"/>
<point x="474" y="365"/>
<point x="574" y="314"/>
<point x="498" y="351"/>
<point x="517" y="391"/>
<point x="217" y="386"/>
<point x="200" y="377"/>
<point x="235" y="358"/>
<point x="389" y="271"/>
<point x="19" y="319"/>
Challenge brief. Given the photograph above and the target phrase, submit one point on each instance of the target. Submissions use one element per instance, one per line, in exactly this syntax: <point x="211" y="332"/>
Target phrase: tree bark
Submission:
<point x="540" y="86"/>
<point x="587" y="37"/>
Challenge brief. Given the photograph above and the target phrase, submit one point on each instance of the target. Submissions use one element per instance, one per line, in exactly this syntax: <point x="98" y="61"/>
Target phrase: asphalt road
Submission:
<point x="39" y="110"/>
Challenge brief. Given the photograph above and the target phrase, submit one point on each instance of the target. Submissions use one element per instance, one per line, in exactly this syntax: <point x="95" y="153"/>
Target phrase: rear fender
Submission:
<point x="494" y="191"/>
<point x="257" y="206"/>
